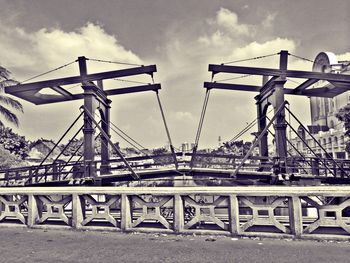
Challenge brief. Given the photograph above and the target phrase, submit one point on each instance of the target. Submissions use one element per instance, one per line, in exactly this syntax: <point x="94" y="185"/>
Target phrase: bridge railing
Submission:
<point x="38" y="174"/>
<point x="314" y="167"/>
<point x="290" y="212"/>
<point x="61" y="171"/>
<point x="74" y="170"/>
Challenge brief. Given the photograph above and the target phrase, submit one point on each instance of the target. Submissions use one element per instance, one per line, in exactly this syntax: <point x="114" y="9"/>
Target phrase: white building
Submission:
<point x="325" y="127"/>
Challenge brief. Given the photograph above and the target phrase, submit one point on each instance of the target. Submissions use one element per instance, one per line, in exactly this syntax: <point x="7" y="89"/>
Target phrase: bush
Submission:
<point x="8" y="160"/>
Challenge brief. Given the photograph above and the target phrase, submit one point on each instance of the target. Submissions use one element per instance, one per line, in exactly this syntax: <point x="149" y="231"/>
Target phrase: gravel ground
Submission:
<point x="37" y="245"/>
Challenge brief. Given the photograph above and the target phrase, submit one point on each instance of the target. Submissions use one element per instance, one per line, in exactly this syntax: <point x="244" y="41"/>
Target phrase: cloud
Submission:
<point x="182" y="60"/>
<point x="29" y="53"/>
<point x="345" y="56"/>
<point x="183" y="116"/>
<point x="188" y="53"/>
<point x="268" y="21"/>
<point x="32" y="53"/>
<point x="229" y="20"/>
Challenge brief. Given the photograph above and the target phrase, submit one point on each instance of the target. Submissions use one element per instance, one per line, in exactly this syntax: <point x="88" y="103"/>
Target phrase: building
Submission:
<point x="39" y="149"/>
<point x="325" y="127"/>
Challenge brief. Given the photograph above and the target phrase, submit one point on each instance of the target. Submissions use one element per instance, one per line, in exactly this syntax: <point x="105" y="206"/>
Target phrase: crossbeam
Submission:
<point x="229" y="86"/>
<point x="326" y="92"/>
<point x="36" y="86"/>
<point x="40" y="99"/>
<point x="279" y="73"/>
<point x="303" y="86"/>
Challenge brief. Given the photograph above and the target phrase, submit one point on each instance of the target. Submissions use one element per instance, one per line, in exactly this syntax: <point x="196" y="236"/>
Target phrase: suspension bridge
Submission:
<point x="94" y="122"/>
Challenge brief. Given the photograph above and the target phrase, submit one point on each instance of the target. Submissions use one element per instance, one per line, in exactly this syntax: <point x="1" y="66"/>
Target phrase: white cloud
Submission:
<point x="30" y="53"/>
<point x="185" y="55"/>
<point x="268" y="21"/>
<point x="183" y="116"/>
<point x="345" y="56"/>
<point x="229" y="20"/>
<point x="225" y="39"/>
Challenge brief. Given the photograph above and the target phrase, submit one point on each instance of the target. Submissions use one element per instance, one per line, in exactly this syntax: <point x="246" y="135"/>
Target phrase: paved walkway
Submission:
<point x="35" y="245"/>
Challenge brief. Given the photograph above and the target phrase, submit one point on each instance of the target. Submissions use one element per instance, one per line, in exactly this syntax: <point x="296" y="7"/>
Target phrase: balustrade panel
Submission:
<point x="300" y="212"/>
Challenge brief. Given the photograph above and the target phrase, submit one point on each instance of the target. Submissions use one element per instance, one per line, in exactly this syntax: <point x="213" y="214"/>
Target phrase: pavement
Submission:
<point x="38" y="245"/>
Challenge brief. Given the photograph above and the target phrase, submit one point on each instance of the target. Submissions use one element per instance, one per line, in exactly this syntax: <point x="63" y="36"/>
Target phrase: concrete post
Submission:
<point x="89" y="140"/>
<point x="280" y="123"/>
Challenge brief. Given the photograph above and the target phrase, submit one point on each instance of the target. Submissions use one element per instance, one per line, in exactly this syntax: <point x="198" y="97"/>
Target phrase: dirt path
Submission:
<point x="34" y="245"/>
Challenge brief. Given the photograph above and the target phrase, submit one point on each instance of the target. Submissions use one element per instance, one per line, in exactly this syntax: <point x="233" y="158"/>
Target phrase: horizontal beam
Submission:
<point x="77" y="79"/>
<point x="324" y="92"/>
<point x="229" y="86"/>
<point x="62" y="91"/>
<point x="305" y="85"/>
<point x="279" y="73"/>
<point x="319" y="92"/>
<point x="54" y="99"/>
<point x="134" y="89"/>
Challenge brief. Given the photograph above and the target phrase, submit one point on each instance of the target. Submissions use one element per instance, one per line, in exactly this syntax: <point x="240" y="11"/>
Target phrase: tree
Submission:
<point x="76" y="147"/>
<point x="8" y="160"/>
<point x="7" y="104"/>
<point x="14" y="143"/>
<point x="344" y="116"/>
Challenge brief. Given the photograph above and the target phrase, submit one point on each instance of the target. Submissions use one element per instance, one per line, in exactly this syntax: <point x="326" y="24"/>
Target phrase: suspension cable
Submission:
<point x="132" y="81"/>
<point x="257" y="139"/>
<point x="248" y="59"/>
<point x="248" y="127"/>
<point x="238" y="77"/>
<point x="200" y="126"/>
<point x="291" y="113"/>
<point x="292" y="145"/>
<point x="114" y="62"/>
<point x="47" y="72"/>
<point x="56" y="145"/>
<point x="139" y="148"/>
<point x="133" y="174"/>
<point x="201" y="121"/>
<point x="134" y="143"/>
<point x="301" y="58"/>
<point x="142" y="150"/>
<point x="311" y="150"/>
<point x="167" y="130"/>
<point x="305" y="59"/>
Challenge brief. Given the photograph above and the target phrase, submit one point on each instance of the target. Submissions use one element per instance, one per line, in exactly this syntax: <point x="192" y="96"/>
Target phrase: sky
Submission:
<point x="181" y="37"/>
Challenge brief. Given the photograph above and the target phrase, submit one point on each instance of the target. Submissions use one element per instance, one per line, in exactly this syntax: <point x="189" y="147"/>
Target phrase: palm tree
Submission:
<point x="8" y="104"/>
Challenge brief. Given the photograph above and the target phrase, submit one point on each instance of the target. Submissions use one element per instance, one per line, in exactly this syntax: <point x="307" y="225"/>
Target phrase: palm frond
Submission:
<point x="8" y="115"/>
<point x="11" y="102"/>
<point x="7" y="83"/>
<point x="4" y="73"/>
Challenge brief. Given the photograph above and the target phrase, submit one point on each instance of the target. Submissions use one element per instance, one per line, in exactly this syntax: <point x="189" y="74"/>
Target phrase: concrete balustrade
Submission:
<point x="267" y="211"/>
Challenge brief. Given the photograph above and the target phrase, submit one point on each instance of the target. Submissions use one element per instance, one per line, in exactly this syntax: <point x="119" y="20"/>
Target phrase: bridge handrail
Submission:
<point x="183" y="210"/>
<point x="213" y="190"/>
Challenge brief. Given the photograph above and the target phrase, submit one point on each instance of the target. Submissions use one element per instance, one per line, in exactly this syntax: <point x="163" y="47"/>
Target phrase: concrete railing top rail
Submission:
<point x="235" y="190"/>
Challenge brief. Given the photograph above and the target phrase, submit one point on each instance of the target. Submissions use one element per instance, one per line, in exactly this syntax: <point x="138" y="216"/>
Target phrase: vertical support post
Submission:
<point x="263" y="144"/>
<point x="295" y="216"/>
<point x="54" y="172"/>
<point x="33" y="211"/>
<point x="234" y="215"/>
<point x="105" y="125"/>
<point x="77" y="211"/>
<point x="280" y="124"/>
<point x="89" y="103"/>
<point x="178" y="214"/>
<point x="125" y="213"/>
